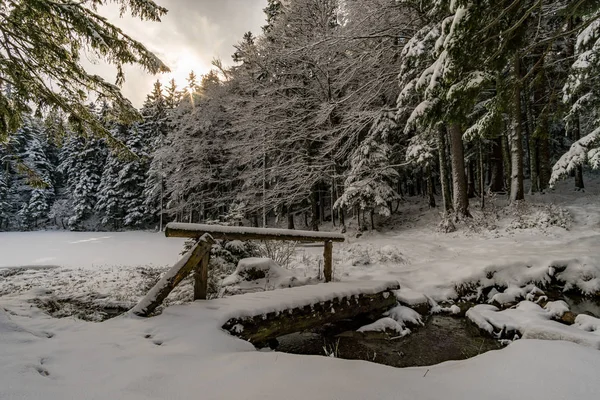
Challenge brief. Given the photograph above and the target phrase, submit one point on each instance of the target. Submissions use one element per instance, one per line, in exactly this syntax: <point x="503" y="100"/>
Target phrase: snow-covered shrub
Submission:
<point x="541" y="216"/>
<point x="390" y="254"/>
<point x="366" y="254"/>
<point x="280" y="252"/>
<point x="258" y="275"/>
<point x="359" y="255"/>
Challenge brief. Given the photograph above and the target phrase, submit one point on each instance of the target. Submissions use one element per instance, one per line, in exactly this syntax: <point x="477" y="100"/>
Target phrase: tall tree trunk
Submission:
<point x="459" y="180"/>
<point x="481" y="175"/>
<point x="430" y="184"/>
<point x="576" y="134"/>
<point x="314" y="205"/>
<point x="497" y="167"/>
<point x="544" y="158"/>
<point x="532" y="146"/>
<point x="290" y="218"/>
<point x="517" y="191"/>
<point x="470" y="179"/>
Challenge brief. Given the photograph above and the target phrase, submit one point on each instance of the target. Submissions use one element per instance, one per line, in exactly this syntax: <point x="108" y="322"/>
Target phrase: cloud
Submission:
<point x="189" y="36"/>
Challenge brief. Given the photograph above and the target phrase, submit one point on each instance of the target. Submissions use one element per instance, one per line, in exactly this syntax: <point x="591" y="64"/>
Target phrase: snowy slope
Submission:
<point x="182" y="355"/>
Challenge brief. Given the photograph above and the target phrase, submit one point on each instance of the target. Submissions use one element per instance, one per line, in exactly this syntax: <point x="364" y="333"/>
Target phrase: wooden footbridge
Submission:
<point x="260" y="317"/>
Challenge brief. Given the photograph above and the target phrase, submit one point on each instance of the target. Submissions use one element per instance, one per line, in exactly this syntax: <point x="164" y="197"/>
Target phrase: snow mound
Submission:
<point x="513" y="293"/>
<point x="520" y="278"/>
<point x="404" y="315"/>
<point x="587" y="323"/>
<point x="410" y="297"/>
<point x="385" y="325"/>
<point x="260" y="274"/>
<point x="556" y="309"/>
<point x="530" y="321"/>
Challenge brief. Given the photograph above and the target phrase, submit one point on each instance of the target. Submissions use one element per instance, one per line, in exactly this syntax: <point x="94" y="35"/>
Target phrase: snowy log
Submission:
<point x="247" y="233"/>
<point x="174" y="276"/>
<point x="260" y="329"/>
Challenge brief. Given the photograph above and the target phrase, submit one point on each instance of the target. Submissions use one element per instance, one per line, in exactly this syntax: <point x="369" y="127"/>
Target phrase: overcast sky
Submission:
<point x="189" y="37"/>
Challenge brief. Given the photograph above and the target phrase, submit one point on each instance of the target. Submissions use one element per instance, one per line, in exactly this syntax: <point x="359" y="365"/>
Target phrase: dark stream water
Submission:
<point x="442" y="338"/>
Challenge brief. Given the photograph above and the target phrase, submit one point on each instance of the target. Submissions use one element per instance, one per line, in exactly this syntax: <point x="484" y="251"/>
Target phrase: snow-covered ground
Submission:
<point x="87" y="250"/>
<point x="183" y="354"/>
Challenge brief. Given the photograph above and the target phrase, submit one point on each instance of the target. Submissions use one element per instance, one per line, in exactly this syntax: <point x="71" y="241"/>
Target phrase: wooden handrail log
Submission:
<point x="174" y="276"/>
<point x="184" y="230"/>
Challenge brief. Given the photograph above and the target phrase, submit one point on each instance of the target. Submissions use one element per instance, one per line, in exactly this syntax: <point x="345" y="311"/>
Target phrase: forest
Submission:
<point x="336" y="110"/>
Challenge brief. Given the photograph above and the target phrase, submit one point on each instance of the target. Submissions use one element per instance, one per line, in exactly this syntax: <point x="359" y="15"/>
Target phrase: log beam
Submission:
<point x="246" y="233"/>
<point x="173" y="277"/>
<point x="262" y="328"/>
<point x="201" y="278"/>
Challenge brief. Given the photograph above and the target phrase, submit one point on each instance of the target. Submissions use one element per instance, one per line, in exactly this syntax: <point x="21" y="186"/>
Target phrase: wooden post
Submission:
<point x="201" y="278"/>
<point x="328" y="261"/>
<point x="174" y="276"/>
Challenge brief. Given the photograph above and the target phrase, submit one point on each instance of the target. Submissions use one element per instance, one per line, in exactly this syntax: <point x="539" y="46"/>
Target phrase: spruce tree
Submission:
<point x="42" y="45"/>
<point x="369" y="182"/>
<point x="5" y="206"/>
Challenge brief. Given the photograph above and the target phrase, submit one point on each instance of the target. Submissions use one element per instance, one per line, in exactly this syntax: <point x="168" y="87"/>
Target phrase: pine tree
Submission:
<point x="5" y="206"/>
<point x="42" y="47"/>
<point x="172" y="95"/>
<point x="110" y="205"/>
<point x="154" y="131"/>
<point x="370" y="178"/>
<point x="41" y="171"/>
<point x="132" y="179"/>
<point x="83" y="162"/>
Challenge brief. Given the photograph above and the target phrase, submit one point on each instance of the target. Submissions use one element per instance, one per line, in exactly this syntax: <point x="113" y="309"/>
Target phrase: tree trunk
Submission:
<point x="497" y="167"/>
<point x="430" y="184"/>
<point x="575" y="133"/>
<point x="517" y="191"/>
<point x="544" y="160"/>
<point x="578" y="169"/>
<point x="481" y="175"/>
<point x="459" y="180"/>
<point x="532" y="146"/>
<point x="471" y="179"/>
<point x="372" y="215"/>
<point x="290" y="218"/>
<point x="314" y="204"/>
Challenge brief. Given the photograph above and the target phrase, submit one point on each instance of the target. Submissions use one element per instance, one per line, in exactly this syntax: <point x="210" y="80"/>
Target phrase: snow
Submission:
<point x="181" y="354"/>
<point x="531" y="322"/>
<point x="510" y="295"/>
<point x="262" y="303"/>
<point x="581" y="152"/>
<point x="386" y="324"/>
<point x="556" y="309"/>
<point x="89" y="250"/>
<point x="259" y="275"/>
<point x="404" y="315"/>
<point x="587" y="323"/>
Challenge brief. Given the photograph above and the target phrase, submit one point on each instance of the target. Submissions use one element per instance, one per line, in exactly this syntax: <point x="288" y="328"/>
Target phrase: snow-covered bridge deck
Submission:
<point x="260" y="317"/>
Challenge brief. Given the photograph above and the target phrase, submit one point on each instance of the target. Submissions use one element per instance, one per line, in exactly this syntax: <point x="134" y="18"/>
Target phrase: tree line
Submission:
<point x="343" y="108"/>
<point x="348" y="106"/>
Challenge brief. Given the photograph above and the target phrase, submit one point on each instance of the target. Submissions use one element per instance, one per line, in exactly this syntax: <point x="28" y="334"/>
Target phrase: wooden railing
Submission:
<point x="198" y="258"/>
<point x="248" y="233"/>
